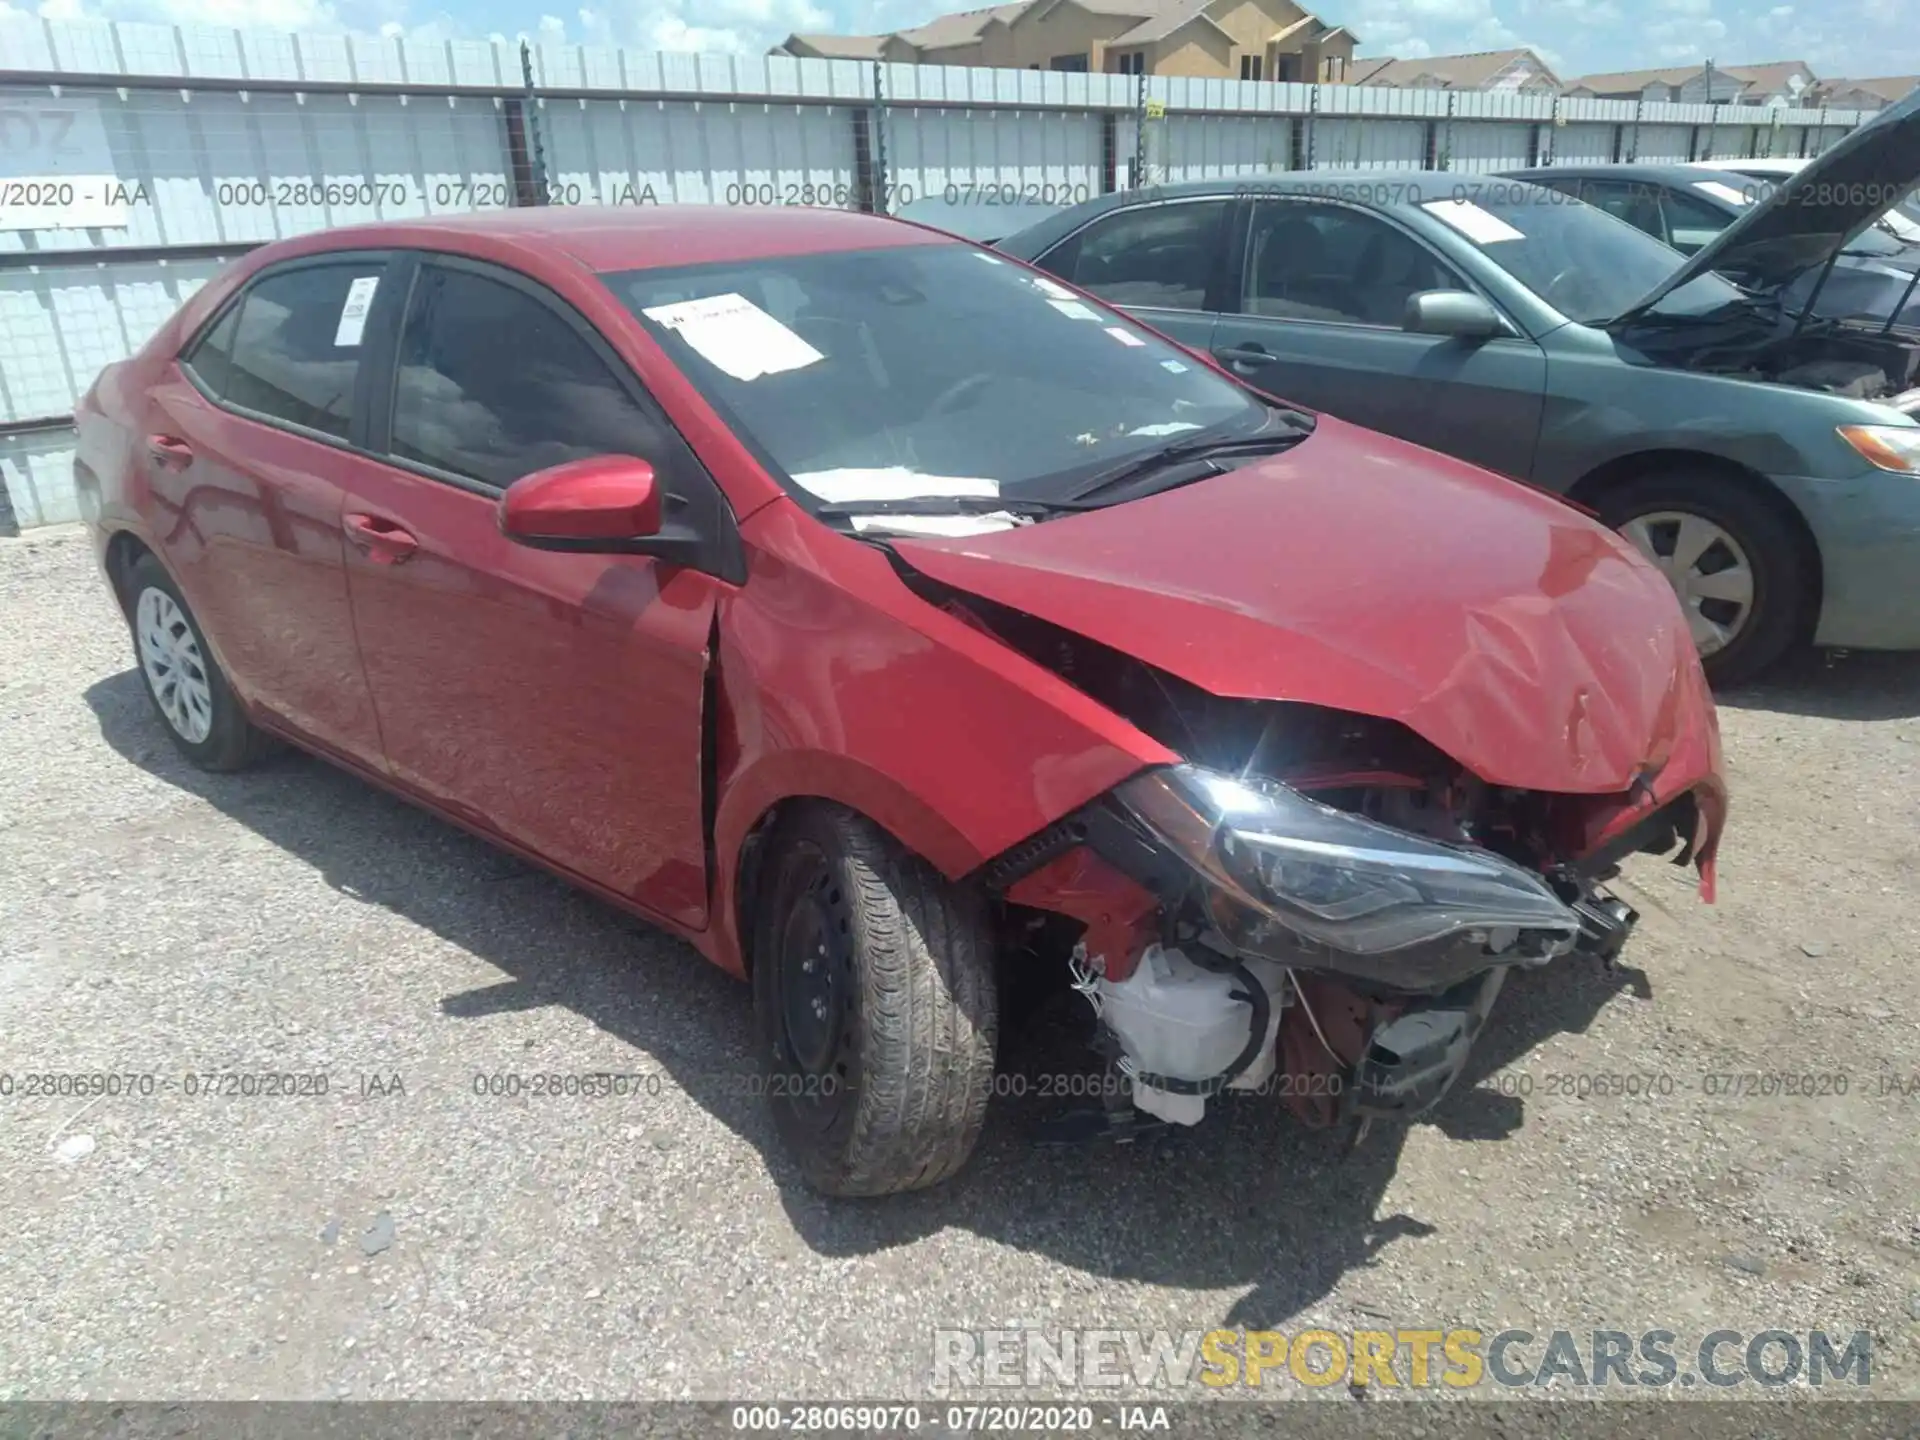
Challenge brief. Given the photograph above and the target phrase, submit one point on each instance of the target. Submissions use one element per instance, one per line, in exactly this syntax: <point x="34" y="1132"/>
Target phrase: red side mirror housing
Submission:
<point x="595" y="504"/>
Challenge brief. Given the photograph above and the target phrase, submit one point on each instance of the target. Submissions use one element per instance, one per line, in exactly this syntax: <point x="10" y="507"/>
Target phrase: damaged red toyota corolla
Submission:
<point x="897" y="624"/>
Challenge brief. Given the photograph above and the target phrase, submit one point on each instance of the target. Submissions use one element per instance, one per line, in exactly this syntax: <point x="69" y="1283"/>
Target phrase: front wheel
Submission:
<point x="1731" y="558"/>
<point x="875" y="1002"/>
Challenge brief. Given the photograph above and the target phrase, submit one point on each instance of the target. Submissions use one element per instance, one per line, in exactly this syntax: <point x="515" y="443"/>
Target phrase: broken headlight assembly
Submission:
<point x="1289" y="879"/>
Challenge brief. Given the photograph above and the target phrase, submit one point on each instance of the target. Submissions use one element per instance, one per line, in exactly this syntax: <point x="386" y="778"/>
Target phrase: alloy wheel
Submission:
<point x="1708" y="569"/>
<point x="176" y="671"/>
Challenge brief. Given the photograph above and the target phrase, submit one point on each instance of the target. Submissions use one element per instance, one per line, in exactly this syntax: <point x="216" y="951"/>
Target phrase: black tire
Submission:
<point x="231" y="741"/>
<point x="887" y="1089"/>
<point x="1781" y="584"/>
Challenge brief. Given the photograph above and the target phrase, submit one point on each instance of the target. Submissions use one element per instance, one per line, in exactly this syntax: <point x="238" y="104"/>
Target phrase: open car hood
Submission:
<point x="1365" y="574"/>
<point x="1814" y="212"/>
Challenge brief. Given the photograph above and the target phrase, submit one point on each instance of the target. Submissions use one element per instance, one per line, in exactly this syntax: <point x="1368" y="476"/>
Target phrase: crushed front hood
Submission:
<point x="1814" y="212"/>
<point x="1365" y="574"/>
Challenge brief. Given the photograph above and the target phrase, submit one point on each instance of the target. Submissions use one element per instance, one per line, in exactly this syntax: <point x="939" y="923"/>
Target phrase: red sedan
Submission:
<point x="895" y="622"/>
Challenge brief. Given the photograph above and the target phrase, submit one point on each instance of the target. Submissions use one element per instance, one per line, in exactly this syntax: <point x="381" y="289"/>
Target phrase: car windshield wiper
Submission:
<point x="1184" y="453"/>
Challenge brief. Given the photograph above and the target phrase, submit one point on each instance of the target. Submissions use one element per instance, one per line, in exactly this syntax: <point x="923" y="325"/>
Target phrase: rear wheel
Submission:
<point x="875" y="1002"/>
<point x="184" y="682"/>
<point x="1731" y="558"/>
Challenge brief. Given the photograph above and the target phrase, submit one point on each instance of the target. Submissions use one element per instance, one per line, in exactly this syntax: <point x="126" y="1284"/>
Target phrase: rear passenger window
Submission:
<point x="296" y="345"/>
<point x="211" y="359"/>
<point x="493" y="385"/>
<point x="1156" y="256"/>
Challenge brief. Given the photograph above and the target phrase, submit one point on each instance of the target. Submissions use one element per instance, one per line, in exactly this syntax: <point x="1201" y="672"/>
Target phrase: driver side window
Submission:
<point x="1310" y="261"/>
<point x="1154" y="256"/>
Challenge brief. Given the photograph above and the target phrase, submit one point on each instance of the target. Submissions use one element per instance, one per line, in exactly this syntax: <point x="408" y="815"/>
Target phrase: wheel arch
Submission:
<point x="124" y="550"/>
<point x="754" y="806"/>
<point x="1594" y="486"/>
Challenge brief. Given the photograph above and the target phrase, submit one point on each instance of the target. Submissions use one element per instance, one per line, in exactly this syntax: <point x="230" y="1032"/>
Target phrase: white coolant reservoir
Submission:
<point x="1180" y="1020"/>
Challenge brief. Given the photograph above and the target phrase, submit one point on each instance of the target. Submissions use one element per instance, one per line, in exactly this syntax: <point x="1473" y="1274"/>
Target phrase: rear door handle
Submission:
<point x="1242" y="355"/>
<point x="385" y="542"/>
<point x="170" y="450"/>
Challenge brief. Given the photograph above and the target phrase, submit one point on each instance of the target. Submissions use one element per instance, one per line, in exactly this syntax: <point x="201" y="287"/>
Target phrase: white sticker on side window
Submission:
<point x="353" y="314"/>
<point x="736" y="335"/>
<point x="1482" y="227"/>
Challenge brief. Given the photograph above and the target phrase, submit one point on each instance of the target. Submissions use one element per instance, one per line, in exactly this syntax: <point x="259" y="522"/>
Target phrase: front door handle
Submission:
<point x="385" y="542"/>
<point x="1238" y="355"/>
<point x="170" y="451"/>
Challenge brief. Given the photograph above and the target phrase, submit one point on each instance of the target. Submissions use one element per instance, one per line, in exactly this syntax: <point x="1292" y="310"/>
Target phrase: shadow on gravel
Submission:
<point x="1248" y="1199"/>
<point x="1867" y="685"/>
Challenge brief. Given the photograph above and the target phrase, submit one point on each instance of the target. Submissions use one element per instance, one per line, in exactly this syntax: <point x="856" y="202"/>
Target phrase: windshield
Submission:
<point x="1582" y="261"/>
<point x="927" y="371"/>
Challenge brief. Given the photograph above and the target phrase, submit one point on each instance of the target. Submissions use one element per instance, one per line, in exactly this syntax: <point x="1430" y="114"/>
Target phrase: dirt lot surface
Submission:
<point x="403" y="1236"/>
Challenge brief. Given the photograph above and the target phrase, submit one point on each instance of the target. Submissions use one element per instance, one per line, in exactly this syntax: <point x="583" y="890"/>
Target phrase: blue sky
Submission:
<point x="1836" y="37"/>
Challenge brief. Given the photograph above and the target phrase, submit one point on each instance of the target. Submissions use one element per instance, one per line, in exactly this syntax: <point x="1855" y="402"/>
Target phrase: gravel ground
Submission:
<point x="403" y="1237"/>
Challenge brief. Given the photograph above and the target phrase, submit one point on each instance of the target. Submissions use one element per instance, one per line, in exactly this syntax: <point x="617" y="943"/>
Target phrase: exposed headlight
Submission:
<point x="1332" y="877"/>
<point x="1889" y="447"/>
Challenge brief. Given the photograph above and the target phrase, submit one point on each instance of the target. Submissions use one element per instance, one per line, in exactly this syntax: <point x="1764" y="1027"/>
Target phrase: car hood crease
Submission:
<point x="1363" y="574"/>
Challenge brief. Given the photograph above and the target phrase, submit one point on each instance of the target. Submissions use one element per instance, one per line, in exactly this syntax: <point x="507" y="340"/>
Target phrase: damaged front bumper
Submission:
<point x="1285" y="878"/>
<point x="1376" y="952"/>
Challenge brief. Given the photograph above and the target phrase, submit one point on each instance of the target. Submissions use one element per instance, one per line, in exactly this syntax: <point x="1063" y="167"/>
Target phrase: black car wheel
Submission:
<point x="875" y="1002"/>
<point x="1732" y="559"/>
<point x="183" y="680"/>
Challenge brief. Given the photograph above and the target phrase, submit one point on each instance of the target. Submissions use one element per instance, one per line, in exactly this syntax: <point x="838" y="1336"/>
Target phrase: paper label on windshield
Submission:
<point x="890" y="483"/>
<point x="1482" y="227"/>
<point x="1721" y="192"/>
<point x="1074" y="310"/>
<point x="353" y="314"/>
<point x="736" y="335"/>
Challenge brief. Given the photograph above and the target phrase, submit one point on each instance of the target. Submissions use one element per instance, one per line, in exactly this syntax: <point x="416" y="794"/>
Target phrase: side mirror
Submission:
<point x="1458" y="313"/>
<point x="602" y="504"/>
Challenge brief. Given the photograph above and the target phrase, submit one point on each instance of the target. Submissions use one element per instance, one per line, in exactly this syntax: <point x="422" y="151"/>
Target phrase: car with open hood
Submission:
<point x="1766" y="458"/>
<point x="1902" y="222"/>
<point x="1688" y="206"/>
<point x="900" y="626"/>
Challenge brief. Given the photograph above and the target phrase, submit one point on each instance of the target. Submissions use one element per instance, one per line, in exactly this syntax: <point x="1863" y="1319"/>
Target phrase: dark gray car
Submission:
<point x="1688" y="207"/>
<point x="1769" y="463"/>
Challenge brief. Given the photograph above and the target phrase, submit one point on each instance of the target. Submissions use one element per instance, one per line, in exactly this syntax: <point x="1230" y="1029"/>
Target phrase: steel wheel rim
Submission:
<point x="176" y="671"/>
<point x="1708" y="569"/>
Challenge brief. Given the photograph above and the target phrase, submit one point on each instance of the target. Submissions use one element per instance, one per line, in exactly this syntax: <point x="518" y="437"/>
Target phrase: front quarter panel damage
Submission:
<point x="835" y="682"/>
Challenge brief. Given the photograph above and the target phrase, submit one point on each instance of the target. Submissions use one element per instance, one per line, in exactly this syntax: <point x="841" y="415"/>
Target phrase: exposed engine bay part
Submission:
<point x="1186" y="1031"/>
<point x="1232" y="928"/>
<point x="1856" y="359"/>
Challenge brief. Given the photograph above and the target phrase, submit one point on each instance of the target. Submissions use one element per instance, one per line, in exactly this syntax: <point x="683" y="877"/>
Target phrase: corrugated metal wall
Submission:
<point x="193" y="143"/>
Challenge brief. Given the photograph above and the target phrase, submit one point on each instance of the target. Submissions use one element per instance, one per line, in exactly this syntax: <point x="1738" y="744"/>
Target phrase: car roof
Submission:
<point x="1676" y="172"/>
<point x="1388" y="189"/>
<point x="603" y="238"/>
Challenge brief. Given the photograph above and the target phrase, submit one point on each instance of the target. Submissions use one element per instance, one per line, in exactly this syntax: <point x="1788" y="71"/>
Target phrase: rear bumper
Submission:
<point x="1868" y="531"/>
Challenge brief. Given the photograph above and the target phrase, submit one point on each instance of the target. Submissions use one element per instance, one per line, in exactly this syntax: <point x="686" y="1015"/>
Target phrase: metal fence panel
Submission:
<point x="1049" y="157"/>
<point x="1483" y="146"/>
<point x="1346" y="144"/>
<point x="1582" y="141"/>
<point x="1211" y="147"/>
<point x="665" y="152"/>
<point x="1654" y="144"/>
